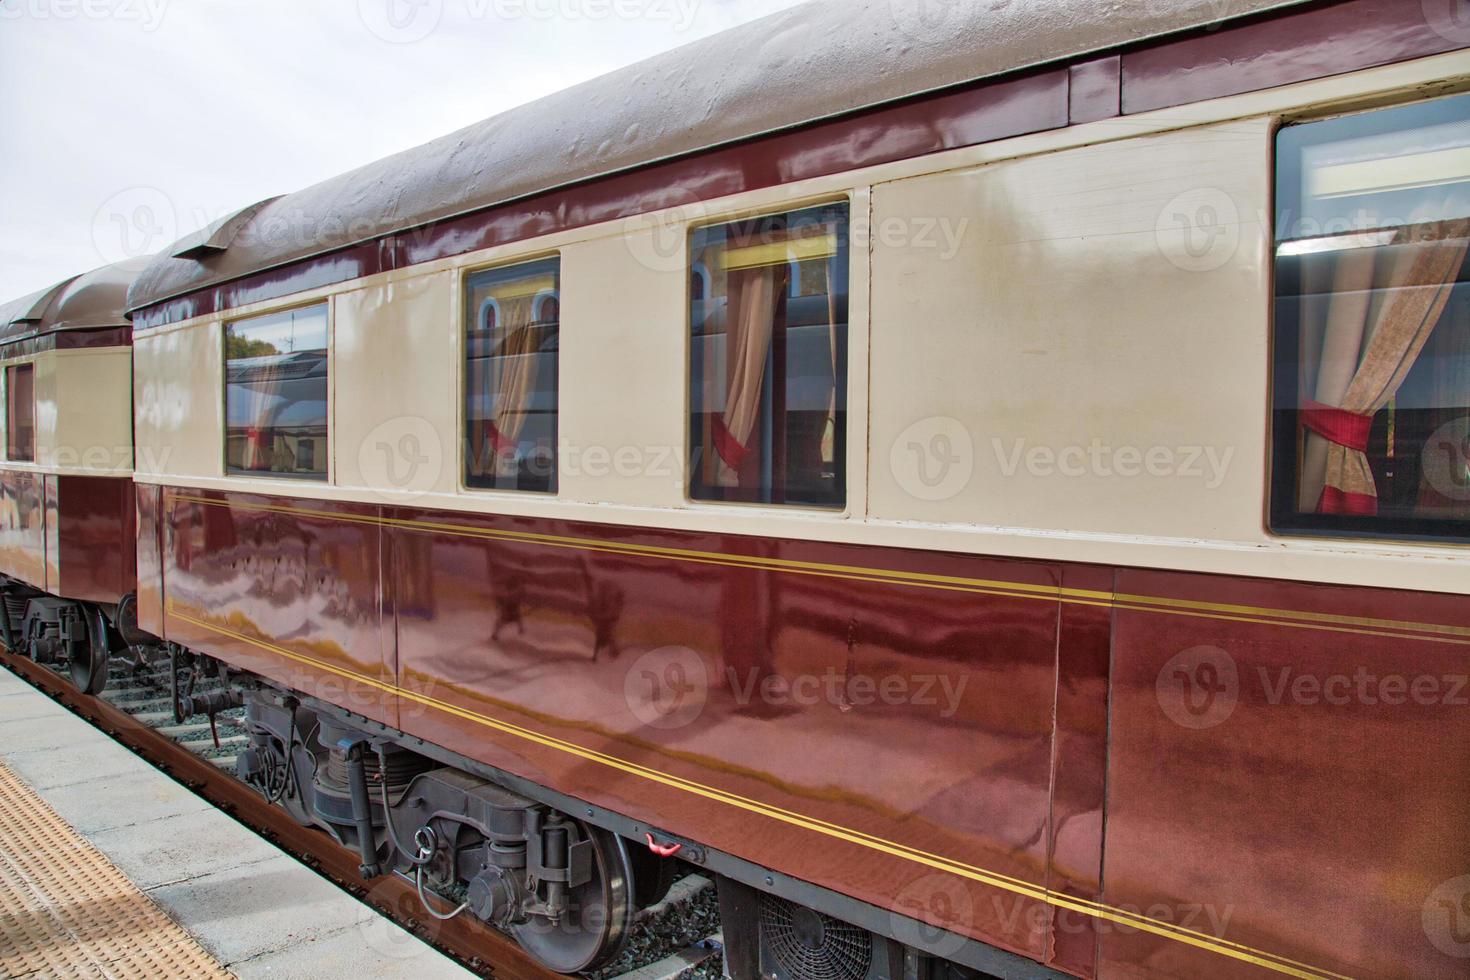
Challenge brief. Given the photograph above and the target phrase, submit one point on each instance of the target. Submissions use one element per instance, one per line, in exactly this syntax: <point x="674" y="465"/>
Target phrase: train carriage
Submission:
<point x="66" y="490"/>
<point x="986" y="482"/>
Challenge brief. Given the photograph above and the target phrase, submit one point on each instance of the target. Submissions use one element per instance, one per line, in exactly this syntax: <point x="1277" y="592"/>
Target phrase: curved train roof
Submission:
<point x="94" y="300"/>
<point x="812" y="62"/>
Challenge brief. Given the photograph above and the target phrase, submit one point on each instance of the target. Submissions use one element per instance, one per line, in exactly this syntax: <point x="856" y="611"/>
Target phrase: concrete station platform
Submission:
<point x="109" y="869"/>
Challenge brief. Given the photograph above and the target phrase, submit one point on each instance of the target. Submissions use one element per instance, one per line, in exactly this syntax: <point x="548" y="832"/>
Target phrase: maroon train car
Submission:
<point x="989" y="483"/>
<point x="67" y="513"/>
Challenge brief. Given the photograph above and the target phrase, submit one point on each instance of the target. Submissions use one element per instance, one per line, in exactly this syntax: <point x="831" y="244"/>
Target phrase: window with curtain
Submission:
<point x="276" y="394"/>
<point x="512" y="321"/>
<point x="768" y="370"/>
<point x="20" y="408"/>
<point x="1372" y="337"/>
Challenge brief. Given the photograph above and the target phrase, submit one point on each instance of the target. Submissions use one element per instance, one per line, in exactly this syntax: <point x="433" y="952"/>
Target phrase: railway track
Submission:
<point x="678" y="938"/>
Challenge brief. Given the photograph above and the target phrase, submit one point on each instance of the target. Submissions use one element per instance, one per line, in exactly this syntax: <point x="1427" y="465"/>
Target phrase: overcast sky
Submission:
<point x="129" y="123"/>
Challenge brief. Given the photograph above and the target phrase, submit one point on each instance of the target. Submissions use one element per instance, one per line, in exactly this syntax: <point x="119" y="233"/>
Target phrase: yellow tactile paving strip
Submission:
<point x="66" y="911"/>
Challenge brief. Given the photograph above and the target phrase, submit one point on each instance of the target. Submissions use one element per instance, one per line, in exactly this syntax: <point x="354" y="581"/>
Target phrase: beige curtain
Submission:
<point x="260" y="437"/>
<point x="1368" y="343"/>
<point x="513" y="344"/>
<point x="753" y="298"/>
<point x="482" y="452"/>
<point x="829" y="433"/>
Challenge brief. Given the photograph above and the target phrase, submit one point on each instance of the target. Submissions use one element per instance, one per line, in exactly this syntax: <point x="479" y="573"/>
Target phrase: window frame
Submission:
<point x="843" y="465"/>
<point x="460" y="348"/>
<point x="329" y="474"/>
<point x="11" y="370"/>
<point x="1282" y="518"/>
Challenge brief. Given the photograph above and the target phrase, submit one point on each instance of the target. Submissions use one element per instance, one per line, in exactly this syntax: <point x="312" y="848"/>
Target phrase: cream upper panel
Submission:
<point x="83" y="411"/>
<point x="395" y="374"/>
<point x="93" y="430"/>
<point x="624" y="360"/>
<point x="179" y="413"/>
<point x="1086" y="348"/>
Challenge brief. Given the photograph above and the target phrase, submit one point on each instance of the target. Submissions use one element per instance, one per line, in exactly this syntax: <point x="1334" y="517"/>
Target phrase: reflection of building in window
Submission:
<point x="768" y="319"/>
<point x="20" y="406"/>
<point x="1372" y="419"/>
<point x="511" y="351"/>
<point x="276" y="394"/>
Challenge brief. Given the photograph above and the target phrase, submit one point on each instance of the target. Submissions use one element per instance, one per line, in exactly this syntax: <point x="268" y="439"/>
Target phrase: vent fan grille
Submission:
<point x="808" y="945"/>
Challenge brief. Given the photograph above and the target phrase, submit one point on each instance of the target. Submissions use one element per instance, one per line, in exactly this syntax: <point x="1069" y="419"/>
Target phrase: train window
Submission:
<point x="20" y="412"/>
<point x="276" y="394"/>
<point x="1372" y="339"/>
<point x="512" y="323"/>
<point x="768" y="369"/>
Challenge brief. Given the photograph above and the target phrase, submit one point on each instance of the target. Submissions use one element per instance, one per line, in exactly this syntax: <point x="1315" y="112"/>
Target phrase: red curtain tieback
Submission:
<point x="1338" y="425"/>
<point x="1335" y="501"/>
<point x="729" y="448"/>
<point x="500" y="445"/>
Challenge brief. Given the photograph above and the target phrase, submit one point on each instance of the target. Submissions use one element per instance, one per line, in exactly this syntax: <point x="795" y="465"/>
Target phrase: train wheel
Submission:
<point x="88" y="659"/>
<point x="592" y="930"/>
<point x="652" y="876"/>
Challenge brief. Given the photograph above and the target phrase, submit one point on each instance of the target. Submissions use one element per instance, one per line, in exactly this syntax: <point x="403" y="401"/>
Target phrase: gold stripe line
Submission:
<point x="1458" y="635"/>
<point x="994" y="879"/>
<point x="1290" y="624"/>
<point x="660" y="551"/>
<point x="1392" y="624"/>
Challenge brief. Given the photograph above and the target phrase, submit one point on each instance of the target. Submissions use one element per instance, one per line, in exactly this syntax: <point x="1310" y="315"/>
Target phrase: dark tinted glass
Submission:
<point x="768" y="369"/>
<point x="512" y="317"/>
<point x="276" y="394"/>
<point x="1372" y="335"/>
<point x="20" y="398"/>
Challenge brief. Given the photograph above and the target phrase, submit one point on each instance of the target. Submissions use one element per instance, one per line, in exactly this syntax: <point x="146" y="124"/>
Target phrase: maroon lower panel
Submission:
<point x="72" y="536"/>
<point x="1034" y="755"/>
<point x="23" y="526"/>
<point x="807" y="721"/>
<point x="295" y="595"/>
<point x="1293" y="786"/>
<point x="915" y="715"/>
<point x="93" y="537"/>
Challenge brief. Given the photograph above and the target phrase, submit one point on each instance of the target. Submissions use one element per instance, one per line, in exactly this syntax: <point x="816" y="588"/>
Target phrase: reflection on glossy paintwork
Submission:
<point x="732" y="690"/>
<point x="1312" y="817"/>
<point x="310" y="586"/>
<point x="23" y="525"/>
<point x="907" y="713"/>
<point x="70" y="535"/>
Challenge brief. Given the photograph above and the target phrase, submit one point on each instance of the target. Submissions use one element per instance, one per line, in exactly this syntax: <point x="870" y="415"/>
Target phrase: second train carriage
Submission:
<point x="67" y="513"/>
<point x="1007" y="517"/>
